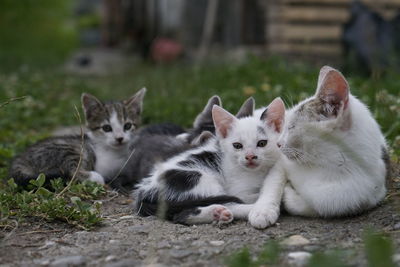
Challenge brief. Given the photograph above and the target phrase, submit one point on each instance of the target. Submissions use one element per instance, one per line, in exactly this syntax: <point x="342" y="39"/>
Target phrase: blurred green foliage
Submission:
<point x="35" y="32"/>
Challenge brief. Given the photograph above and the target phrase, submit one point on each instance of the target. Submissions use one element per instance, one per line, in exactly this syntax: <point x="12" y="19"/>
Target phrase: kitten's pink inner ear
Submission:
<point x="274" y="115"/>
<point x="334" y="88"/>
<point x="322" y="73"/>
<point x="223" y="120"/>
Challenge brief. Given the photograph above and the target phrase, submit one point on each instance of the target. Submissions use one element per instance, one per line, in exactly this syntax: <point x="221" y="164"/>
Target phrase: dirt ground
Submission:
<point x="125" y="239"/>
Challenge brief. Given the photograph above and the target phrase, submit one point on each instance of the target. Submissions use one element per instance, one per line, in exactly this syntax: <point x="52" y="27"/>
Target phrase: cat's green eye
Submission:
<point x="106" y="128"/>
<point x="127" y="126"/>
<point x="262" y="143"/>
<point x="237" y="145"/>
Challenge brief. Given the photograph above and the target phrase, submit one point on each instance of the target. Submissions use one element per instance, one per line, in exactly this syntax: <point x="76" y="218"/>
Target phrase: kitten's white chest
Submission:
<point x="109" y="162"/>
<point x="244" y="185"/>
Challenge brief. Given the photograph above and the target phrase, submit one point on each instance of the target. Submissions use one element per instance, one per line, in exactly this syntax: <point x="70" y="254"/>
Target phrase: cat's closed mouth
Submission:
<point x="252" y="165"/>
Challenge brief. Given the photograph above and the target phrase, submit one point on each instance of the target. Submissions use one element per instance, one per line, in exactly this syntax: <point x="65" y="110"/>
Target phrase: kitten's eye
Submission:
<point x="291" y="127"/>
<point x="262" y="143"/>
<point x="106" y="128"/>
<point x="237" y="145"/>
<point x="127" y="126"/>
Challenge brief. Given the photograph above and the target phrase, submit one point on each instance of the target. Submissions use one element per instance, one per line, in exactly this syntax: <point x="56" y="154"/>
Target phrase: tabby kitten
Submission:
<point x="111" y="128"/>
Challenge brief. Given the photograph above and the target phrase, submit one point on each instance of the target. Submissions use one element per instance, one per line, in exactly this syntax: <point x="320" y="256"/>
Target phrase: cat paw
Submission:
<point x="261" y="218"/>
<point x="222" y="214"/>
<point x="96" y="177"/>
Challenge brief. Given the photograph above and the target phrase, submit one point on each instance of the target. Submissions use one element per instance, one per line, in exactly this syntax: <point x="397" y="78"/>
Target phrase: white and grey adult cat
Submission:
<point x="228" y="169"/>
<point x="111" y="128"/>
<point x="335" y="153"/>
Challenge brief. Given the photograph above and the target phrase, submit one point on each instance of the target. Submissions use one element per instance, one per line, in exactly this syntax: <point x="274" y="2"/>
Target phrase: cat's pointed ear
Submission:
<point x="91" y="105"/>
<point x="223" y="121"/>
<point x="205" y="117"/>
<point x="247" y="109"/>
<point x="333" y="89"/>
<point x="135" y="103"/>
<point x="274" y="115"/>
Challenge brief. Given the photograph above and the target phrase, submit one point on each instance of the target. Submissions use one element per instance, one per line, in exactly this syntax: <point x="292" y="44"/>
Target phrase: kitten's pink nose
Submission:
<point x="251" y="157"/>
<point x="119" y="139"/>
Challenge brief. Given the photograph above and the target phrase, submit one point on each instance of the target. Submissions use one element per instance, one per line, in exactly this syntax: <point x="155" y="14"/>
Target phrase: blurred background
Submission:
<point x="363" y="35"/>
<point x="185" y="51"/>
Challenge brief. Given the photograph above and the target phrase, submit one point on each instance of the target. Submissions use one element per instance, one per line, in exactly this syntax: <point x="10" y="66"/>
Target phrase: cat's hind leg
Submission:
<point x="295" y="204"/>
<point x="203" y="215"/>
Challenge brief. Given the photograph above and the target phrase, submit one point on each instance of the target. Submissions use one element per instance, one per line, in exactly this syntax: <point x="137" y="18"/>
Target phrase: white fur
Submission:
<point x="96" y="177"/>
<point x="337" y="171"/>
<point x="236" y="178"/>
<point x="110" y="154"/>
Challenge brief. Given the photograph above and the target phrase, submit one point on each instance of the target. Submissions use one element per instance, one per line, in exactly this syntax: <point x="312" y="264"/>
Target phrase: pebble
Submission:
<point x="163" y="244"/>
<point x="127" y="217"/>
<point x="396" y="226"/>
<point x="110" y="258"/>
<point x="296" y="240"/>
<point x="124" y="263"/>
<point x="181" y="253"/>
<point x="217" y="243"/>
<point x="142" y="229"/>
<point x="47" y="245"/>
<point x="396" y="258"/>
<point x="298" y="258"/>
<point x="77" y="260"/>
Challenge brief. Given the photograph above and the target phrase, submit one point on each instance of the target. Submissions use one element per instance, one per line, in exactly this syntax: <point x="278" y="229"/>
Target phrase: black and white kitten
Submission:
<point x="228" y="169"/>
<point x="111" y="128"/>
<point x="158" y="142"/>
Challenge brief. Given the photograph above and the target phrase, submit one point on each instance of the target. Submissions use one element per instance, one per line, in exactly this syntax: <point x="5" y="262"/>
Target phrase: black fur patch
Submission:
<point x="187" y="163"/>
<point x="147" y="206"/>
<point x="182" y="216"/>
<point x="208" y="159"/>
<point x="181" y="180"/>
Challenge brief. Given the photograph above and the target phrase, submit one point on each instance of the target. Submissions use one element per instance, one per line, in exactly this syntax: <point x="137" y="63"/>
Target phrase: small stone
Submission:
<point x="217" y="243"/>
<point x="198" y="243"/>
<point x="163" y="244"/>
<point x="141" y="229"/>
<point x="69" y="261"/>
<point x="179" y="254"/>
<point x="396" y="226"/>
<point x="296" y="240"/>
<point x="124" y="263"/>
<point x="298" y="258"/>
<point x="396" y="258"/>
<point x="142" y="253"/>
<point x="113" y="241"/>
<point x="47" y="245"/>
<point x="127" y="217"/>
<point x="110" y="258"/>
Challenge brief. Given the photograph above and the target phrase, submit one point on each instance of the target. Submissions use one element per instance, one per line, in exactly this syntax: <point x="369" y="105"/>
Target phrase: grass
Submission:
<point x="45" y="100"/>
<point x="378" y="250"/>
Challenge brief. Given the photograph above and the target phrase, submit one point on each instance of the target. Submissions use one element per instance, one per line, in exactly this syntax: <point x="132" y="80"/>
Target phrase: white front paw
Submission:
<point x="262" y="217"/>
<point x="96" y="177"/>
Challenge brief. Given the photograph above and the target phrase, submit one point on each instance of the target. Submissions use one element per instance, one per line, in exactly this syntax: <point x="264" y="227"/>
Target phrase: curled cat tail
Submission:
<point x="176" y="211"/>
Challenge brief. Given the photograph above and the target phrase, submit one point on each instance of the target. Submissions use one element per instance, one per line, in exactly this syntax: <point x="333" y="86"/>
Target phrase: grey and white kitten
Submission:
<point x="158" y="142"/>
<point x="228" y="169"/>
<point x="111" y="128"/>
